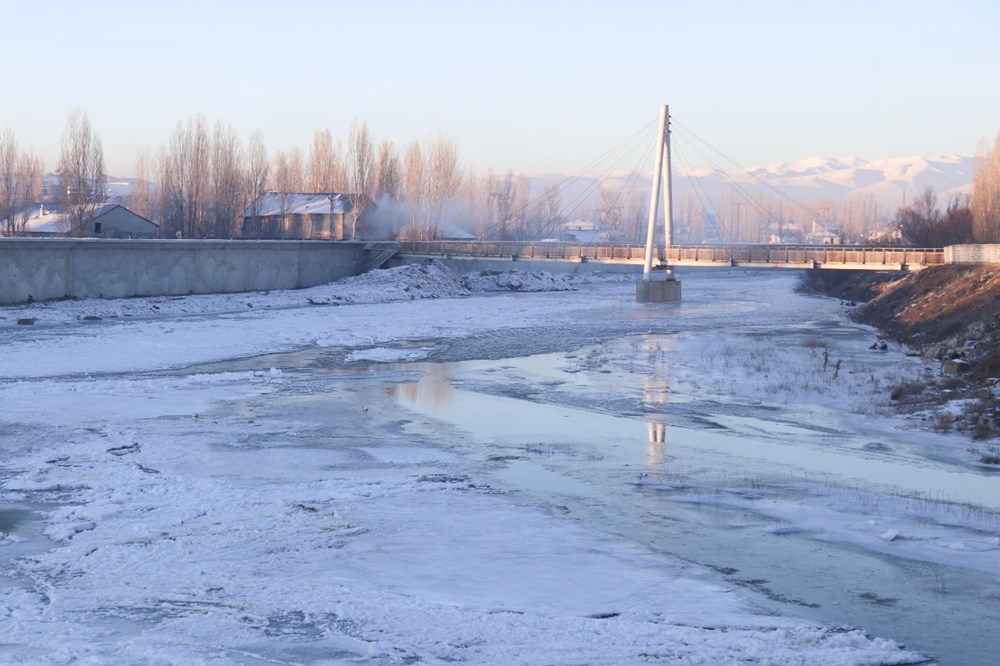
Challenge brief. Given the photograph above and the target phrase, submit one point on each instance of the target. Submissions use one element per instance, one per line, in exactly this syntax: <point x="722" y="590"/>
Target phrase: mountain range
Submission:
<point x="811" y="181"/>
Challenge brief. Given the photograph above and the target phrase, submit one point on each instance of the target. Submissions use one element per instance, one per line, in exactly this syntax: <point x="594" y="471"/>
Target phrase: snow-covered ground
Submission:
<point x="261" y="478"/>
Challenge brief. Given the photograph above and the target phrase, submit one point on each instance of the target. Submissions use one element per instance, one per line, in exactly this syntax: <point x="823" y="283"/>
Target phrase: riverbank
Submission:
<point x="949" y="314"/>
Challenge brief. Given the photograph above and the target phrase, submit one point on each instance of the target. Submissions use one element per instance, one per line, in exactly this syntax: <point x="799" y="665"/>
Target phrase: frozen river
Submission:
<point x="518" y="478"/>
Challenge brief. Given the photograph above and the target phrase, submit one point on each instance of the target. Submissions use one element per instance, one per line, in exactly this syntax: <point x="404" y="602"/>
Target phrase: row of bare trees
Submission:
<point x="203" y="181"/>
<point x="82" y="179"/>
<point x="20" y="184"/>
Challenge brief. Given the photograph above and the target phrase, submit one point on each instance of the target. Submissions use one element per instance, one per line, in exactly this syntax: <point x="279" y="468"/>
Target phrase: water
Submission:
<point x="630" y="476"/>
<point x="714" y="432"/>
<point x="724" y="441"/>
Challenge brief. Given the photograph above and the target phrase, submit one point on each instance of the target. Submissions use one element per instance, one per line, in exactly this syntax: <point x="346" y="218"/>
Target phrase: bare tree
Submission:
<point x="82" y="178"/>
<point x="521" y="220"/>
<point x="388" y="174"/>
<point x="444" y="177"/>
<point x="919" y="221"/>
<point x="28" y="179"/>
<point x="475" y="202"/>
<point x="8" y="183"/>
<point x="185" y="180"/>
<point x="296" y="168"/>
<point x="957" y="222"/>
<point x="550" y="210"/>
<point x="256" y="178"/>
<point x="986" y="195"/>
<point x="501" y="194"/>
<point x="637" y="216"/>
<point x="141" y="197"/>
<point x="228" y="189"/>
<point x="612" y="207"/>
<point x="415" y="192"/>
<point x="361" y="171"/>
<point x="922" y="224"/>
<point x="326" y="170"/>
<point x="318" y="177"/>
<point x="286" y="180"/>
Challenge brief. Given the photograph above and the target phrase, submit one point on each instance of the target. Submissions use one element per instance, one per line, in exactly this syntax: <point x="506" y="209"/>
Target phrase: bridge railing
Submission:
<point x="783" y="255"/>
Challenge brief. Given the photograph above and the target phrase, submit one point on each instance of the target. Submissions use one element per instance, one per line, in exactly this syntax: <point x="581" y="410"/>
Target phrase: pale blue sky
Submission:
<point x="541" y="86"/>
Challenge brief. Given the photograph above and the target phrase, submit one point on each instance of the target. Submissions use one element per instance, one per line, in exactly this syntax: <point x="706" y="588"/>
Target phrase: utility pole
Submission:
<point x="669" y="289"/>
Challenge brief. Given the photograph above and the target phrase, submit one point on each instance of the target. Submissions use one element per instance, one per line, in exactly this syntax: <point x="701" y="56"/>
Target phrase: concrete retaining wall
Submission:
<point x="972" y="254"/>
<point x="44" y="269"/>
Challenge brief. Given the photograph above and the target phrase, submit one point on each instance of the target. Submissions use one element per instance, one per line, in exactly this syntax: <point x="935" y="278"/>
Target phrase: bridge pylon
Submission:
<point x="663" y="287"/>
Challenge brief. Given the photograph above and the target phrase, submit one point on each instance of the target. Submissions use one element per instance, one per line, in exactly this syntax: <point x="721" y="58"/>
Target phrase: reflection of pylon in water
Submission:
<point x="656" y="432"/>
<point x="657" y="437"/>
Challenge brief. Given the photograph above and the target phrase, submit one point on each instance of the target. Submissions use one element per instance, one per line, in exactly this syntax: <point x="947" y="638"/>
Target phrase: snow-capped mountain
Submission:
<point x="886" y="179"/>
<point x="809" y="181"/>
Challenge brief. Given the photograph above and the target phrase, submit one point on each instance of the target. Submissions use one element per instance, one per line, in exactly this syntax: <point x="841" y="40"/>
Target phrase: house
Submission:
<point x="583" y="231"/>
<point x="109" y="220"/>
<point x="302" y="216"/>
<point x="821" y="235"/>
<point x="885" y="237"/>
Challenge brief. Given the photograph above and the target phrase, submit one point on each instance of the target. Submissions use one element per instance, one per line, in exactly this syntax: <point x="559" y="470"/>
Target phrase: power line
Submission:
<point x="699" y="190"/>
<point x="615" y="157"/>
<point x="739" y="189"/>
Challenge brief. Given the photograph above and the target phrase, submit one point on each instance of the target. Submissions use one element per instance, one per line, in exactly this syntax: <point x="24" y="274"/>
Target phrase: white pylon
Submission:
<point x="661" y="167"/>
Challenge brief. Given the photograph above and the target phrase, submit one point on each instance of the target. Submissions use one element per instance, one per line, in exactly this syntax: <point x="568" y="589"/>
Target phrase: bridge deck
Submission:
<point x="845" y="257"/>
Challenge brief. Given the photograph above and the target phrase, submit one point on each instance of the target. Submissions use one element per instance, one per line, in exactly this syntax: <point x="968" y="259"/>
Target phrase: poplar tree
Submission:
<point x="82" y="177"/>
<point x="986" y="195"/>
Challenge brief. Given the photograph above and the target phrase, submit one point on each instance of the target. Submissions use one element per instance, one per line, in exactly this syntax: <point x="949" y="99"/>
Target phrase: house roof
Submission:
<point x="448" y="231"/>
<point x="300" y="203"/>
<point x="597" y="236"/>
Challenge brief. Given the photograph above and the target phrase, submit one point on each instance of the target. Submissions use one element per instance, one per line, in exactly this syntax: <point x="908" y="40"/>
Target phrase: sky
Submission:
<point x="536" y="87"/>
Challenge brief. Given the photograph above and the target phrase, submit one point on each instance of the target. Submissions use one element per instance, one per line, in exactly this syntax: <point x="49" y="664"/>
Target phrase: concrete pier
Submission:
<point x="663" y="290"/>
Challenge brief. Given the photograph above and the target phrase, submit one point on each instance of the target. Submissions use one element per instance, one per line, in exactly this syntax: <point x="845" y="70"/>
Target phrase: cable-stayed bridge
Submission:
<point x="831" y="257"/>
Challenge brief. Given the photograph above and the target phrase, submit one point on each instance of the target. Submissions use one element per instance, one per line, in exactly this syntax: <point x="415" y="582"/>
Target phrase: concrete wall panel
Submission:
<point x="972" y="254"/>
<point x="44" y="269"/>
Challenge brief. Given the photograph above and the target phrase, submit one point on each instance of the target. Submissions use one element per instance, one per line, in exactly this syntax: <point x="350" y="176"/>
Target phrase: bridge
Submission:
<point x="841" y="257"/>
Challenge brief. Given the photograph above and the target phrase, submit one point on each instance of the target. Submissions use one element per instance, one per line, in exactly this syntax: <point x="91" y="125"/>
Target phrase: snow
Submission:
<point x="194" y="514"/>
<point x="807" y="179"/>
<point x="299" y="203"/>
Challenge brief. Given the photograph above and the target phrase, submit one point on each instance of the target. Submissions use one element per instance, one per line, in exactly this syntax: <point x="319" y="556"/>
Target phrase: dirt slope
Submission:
<point x="948" y="313"/>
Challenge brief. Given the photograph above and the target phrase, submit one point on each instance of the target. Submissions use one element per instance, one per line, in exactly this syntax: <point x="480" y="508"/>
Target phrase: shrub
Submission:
<point x="907" y="389"/>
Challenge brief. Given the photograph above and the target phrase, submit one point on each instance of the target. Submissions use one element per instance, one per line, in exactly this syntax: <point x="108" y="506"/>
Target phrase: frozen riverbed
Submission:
<point x="527" y="478"/>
